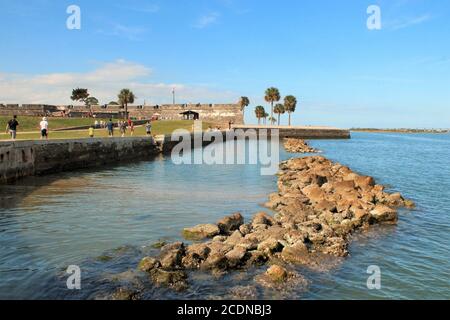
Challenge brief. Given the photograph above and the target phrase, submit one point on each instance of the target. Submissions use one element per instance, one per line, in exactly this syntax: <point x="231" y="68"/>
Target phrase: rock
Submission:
<point x="245" y="229"/>
<point x="236" y="257"/>
<point x="195" y="255"/>
<point x="336" y="246"/>
<point x="159" y="244"/>
<point x="277" y="273"/>
<point x="364" y="183"/>
<point x="383" y="213"/>
<point x="270" y="246"/>
<point x="297" y="253"/>
<point x="230" y="223"/>
<point x="201" y="232"/>
<point x="243" y="293"/>
<point x="395" y="200"/>
<point x="176" y="279"/>
<point x="256" y="258"/>
<point x="235" y="238"/>
<point x="220" y="238"/>
<point x="148" y="263"/>
<point x="263" y="218"/>
<point x="325" y="205"/>
<point x="216" y="259"/>
<point x="171" y="255"/>
<point x="124" y="294"/>
<point x="344" y="186"/>
<point x="294" y="145"/>
<point x="409" y="204"/>
<point x="314" y="193"/>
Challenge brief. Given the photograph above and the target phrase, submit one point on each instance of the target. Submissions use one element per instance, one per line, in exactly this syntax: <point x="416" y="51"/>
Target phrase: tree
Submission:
<point x="244" y="102"/>
<point x="279" y="110"/>
<point x="92" y="101"/>
<point x="80" y="94"/>
<point x="265" y="117"/>
<point x="260" y="112"/>
<point x="290" y="103"/>
<point x="113" y="103"/>
<point x="126" y="96"/>
<point x="272" y="96"/>
<point x="272" y="120"/>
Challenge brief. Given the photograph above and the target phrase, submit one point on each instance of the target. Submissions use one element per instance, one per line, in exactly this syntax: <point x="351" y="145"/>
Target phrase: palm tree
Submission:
<point x="290" y="103"/>
<point x="279" y="109"/>
<point x="244" y="102"/>
<point x="272" y="120"/>
<point x="272" y="96"/>
<point x="126" y="96"/>
<point x="265" y="117"/>
<point x="260" y="112"/>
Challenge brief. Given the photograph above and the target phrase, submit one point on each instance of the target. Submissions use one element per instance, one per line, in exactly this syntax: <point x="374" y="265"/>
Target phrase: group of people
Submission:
<point x="122" y="126"/>
<point x="11" y="128"/>
<point x="13" y="124"/>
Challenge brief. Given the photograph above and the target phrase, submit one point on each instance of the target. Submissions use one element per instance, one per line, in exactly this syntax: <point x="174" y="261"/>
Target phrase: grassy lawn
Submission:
<point x="32" y="123"/>
<point x="158" y="127"/>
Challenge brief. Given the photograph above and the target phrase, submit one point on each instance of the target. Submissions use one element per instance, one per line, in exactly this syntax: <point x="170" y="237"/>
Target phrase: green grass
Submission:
<point x="158" y="128"/>
<point x="32" y="123"/>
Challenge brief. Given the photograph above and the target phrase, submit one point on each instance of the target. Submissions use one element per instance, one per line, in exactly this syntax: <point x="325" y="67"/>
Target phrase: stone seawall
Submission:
<point x="19" y="159"/>
<point x="302" y="132"/>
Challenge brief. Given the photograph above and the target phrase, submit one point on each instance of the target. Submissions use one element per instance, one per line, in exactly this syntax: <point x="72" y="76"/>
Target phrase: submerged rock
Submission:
<point x="174" y="279"/>
<point x="125" y="294"/>
<point x="201" y="232"/>
<point x="277" y="273"/>
<point x="148" y="263"/>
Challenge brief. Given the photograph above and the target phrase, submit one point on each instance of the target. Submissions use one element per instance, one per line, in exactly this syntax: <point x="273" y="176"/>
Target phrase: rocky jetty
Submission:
<point x="319" y="204"/>
<point x="294" y="145"/>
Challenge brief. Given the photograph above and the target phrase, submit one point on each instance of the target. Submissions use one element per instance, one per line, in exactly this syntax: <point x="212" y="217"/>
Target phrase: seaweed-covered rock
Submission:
<point x="201" y="232"/>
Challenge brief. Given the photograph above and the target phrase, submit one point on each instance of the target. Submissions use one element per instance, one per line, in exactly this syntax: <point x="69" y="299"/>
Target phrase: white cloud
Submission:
<point x="206" y="20"/>
<point x="408" y="22"/>
<point x="122" y="31"/>
<point x="104" y="83"/>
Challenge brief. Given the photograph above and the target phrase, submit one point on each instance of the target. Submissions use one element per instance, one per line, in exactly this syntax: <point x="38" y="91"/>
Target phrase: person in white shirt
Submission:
<point x="44" y="128"/>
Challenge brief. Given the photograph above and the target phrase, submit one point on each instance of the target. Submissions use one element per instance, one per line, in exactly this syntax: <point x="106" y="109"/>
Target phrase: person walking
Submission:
<point x="148" y="128"/>
<point x="123" y="128"/>
<point x="11" y="127"/>
<point x="132" y="128"/>
<point x="110" y="127"/>
<point x="44" y="128"/>
<point x="91" y="131"/>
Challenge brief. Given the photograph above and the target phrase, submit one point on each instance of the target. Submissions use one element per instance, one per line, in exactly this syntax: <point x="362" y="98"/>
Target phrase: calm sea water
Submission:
<point x="105" y="220"/>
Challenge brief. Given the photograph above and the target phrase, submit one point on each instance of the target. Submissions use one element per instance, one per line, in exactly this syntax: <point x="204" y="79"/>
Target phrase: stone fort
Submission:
<point x="219" y="114"/>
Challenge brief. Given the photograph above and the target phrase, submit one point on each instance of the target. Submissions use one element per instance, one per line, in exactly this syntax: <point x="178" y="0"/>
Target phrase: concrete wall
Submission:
<point x="25" y="158"/>
<point x="303" y="132"/>
<point x="218" y="114"/>
<point x="26" y="109"/>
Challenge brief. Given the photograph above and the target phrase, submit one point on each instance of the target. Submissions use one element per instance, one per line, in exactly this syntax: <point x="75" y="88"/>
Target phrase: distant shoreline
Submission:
<point x="433" y="131"/>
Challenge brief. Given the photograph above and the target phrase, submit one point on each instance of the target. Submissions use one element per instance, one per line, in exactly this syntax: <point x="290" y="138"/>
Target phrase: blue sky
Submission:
<point x="217" y="50"/>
